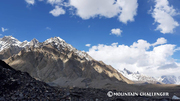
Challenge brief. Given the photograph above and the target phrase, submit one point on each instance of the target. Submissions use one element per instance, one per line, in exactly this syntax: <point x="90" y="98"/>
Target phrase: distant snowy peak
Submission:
<point x="8" y="41"/>
<point x="170" y="79"/>
<point x="55" y="39"/>
<point x="136" y="76"/>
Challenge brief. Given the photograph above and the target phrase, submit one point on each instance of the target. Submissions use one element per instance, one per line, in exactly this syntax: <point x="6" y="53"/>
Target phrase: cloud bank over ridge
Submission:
<point x="139" y="57"/>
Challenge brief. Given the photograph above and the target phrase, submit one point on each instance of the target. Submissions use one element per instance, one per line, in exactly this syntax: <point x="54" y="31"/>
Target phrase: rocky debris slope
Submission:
<point x="17" y="85"/>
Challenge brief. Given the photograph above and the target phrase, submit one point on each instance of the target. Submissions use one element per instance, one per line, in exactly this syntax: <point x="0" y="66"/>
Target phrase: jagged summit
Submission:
<point x="61" y="45"/>
<point x="58" y="42"/>
<point x="34" y="42"/>
<point x="127" y="71"/>
<point x="55" y="39"/>
<point x="8" y="37"/>
<point x="8" y="41"/>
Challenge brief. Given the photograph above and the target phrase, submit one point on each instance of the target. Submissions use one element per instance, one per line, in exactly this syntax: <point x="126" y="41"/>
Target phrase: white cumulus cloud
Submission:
<point x="55" y="2"/>
<point x="124" y="9"/>
<point x="160" y="41"/>
<point x="163" y="14"/>
<point x="57" y="11"/>
<point x="116" y="31"/>
<point x="88" y="45"/>
<point x="138" y="57"/>
<point x="4" y="29"/>
<point x="30" y="2"/>
<point x="129" y="10"/>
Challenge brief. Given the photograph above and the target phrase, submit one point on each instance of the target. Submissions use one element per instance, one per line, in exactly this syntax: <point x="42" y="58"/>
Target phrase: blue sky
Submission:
<point x="81" y="22"/>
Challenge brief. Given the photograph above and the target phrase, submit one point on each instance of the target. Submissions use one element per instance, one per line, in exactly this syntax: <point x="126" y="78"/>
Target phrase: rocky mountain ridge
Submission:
<point x="10" y="46"/>
<point x="58" y="63"/>
<point x="9" y="42"/>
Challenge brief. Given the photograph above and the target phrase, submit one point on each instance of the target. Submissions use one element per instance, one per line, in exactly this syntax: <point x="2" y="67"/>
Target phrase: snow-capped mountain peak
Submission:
<point x="8" y="41"/>
<point x="8" y="37"/>
<point x="61" y="44"/>
<point x="170" y="79"/>
<point x="136" y="76"/>
<point x="55" y="40"/>
<point x="34" y="40"/>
